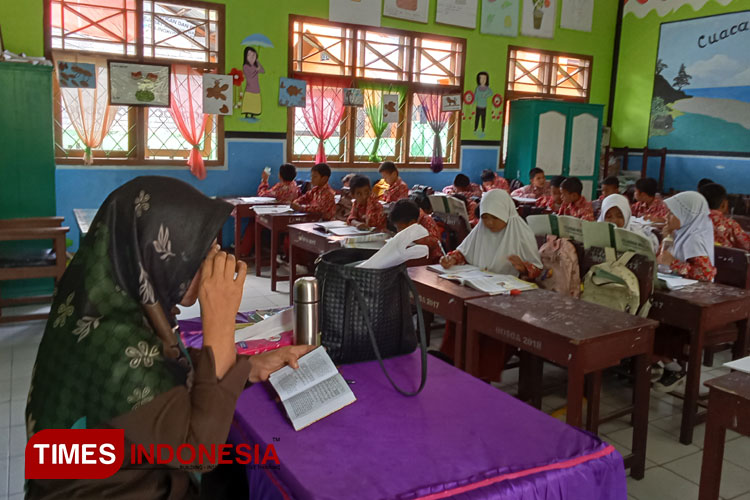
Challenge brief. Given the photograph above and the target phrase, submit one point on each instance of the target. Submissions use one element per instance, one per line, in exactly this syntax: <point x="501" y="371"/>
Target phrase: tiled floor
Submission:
<point x="673" y="470"/>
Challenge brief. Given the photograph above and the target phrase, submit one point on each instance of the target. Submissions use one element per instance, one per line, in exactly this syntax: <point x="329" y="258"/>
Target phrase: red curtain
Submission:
<point x="186" y="108"/>
<point x="437" y="120"/>
<point x="323" y="112"/>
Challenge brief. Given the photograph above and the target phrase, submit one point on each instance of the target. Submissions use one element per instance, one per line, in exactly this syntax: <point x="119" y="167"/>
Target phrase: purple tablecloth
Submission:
<point x="459" y="437"/>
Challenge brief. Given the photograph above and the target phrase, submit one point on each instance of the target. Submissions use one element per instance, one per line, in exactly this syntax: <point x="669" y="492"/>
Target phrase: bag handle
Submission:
<point x="422" y="335"/>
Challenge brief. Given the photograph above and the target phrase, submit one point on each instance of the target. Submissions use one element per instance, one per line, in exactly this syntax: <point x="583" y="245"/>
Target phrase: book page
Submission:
<point x="742" y="364"/>
<point x="318" y="402"/>
<point x="540" y="224"/>
<point x="272" y="209"/>
<point x="570" y="227"/>
<point x="314" y="367"/>
<point x="598" y="234"/>
<point x="628" y="241"/>
<point x="325" y="226"/>
<point x="453" y="270"/>
<point x="257" y="199"/>
<point x="348" y="231"/>
<point x="497" y="284"/>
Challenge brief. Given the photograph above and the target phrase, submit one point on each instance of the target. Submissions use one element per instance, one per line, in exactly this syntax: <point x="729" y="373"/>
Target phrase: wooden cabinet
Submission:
<point x="561" y="138"/>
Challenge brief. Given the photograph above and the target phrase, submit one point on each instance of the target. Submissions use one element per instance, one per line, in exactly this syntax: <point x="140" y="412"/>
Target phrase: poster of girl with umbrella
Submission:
<point x="252" y="69"/>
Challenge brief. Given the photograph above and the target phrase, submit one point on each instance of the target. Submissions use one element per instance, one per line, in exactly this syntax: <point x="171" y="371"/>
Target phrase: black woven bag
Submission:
<point x="365" y="314"/>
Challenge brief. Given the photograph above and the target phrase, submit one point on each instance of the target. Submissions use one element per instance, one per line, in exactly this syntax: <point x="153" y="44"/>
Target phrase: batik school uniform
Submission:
<point x="433" y="244"/>
<point x="283" y="191"/>
<point x="548" y="202"/>
<point x="473" y="190"/>
<point x="530" y="191"/>
<point x="657" y="209"/>
<point x="398" y="191"/>
<point x="728" y="232"/>
<point x="427" y="222"/>
<point x="370" y="213"/>
<point x="319" y="200"/>
<point x="693" y="247"/>
<point x="498" y="183"/>
<point x="581" y="209"/>
<point x="622" y="203"/>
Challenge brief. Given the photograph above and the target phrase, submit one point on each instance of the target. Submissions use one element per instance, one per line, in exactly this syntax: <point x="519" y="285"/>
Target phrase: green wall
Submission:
<point x="23" y="32"/>
<point x="635" y="73"/>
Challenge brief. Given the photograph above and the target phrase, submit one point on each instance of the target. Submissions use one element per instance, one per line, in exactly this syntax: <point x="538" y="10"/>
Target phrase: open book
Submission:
<point x="313" y="391"/>
<point x="272" y="209"/>
<point x="543" y="224"/>
<point x="628" y="241"/>
<point x="673" y="282"/>
<point x="570" y="227"/>
<point x="598" y="234"/>
<point x="365" y="240"/>
<point x="489" y="283"/>
<point x="445" y="204"/>
<point x="348" y="231"/>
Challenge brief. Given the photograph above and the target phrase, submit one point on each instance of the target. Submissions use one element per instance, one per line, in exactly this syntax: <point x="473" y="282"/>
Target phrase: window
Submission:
<point x="545" y="74"/>
<point x="185" y="33"/>
<point x="380" y="62"/>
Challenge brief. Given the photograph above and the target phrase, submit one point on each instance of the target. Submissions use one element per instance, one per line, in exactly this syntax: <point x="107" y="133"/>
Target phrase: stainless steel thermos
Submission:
<point x="306" y="325"/>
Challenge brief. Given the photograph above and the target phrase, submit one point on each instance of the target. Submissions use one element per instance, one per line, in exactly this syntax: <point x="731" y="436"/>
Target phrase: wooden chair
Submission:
<point x="609" y="152"/>
<point x="652" y="153"/>
<point x="29" y="229"/>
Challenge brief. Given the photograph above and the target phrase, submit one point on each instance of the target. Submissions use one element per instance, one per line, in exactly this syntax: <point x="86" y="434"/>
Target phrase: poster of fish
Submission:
<point x="701" y="96"/>
<point x="292" y="93"/>
<point x="139" y="84"/>
<point x="500" y="17"/>
<point x="75" y="75"/>
<point x="217" y="94"/>
<point x="390" y="108"/>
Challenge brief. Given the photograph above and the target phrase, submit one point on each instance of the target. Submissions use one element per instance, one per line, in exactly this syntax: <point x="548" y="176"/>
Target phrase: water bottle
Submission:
<point x="306" y="326"/>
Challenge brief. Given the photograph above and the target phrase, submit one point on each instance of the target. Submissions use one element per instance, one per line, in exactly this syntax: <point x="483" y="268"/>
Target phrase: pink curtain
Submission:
<point x="437" y="120"/>
<point x="186" y="108"/>
<point x="323" y="112"/>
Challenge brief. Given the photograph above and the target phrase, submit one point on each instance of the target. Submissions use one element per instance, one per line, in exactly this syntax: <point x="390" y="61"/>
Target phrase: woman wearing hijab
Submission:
<point x="501" y="243"/>
<point x="692" y="254"/>
<point x="111" y="355"/>
<point x="616" y="210"/>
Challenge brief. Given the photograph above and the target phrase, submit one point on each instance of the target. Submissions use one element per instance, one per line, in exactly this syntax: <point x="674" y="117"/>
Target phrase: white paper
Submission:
<point x="457" y="12"/>
<point x="354" y="11"/>
<point x="269" y="327"/>
<point x="348" y="231"/>
<point x="411" y="10"/>
<point x="539" y="22"/>
<point x="455" y="269"/>
<point x="675" y="282"/>
<point x="397" y="250"/>
<point x="390" y="108"/>
<point x="550" y="144"/>
<point x="742" y="364"/>
<point x="577" y="15"/>
<point x="257" y="199"/>
<point x="325" y="226"/>
<point x="218" y="94"/>
<point x="524" y="200"/>
<point x="271" y="209"/>
<point x="583" y="152"/>
<point x="500" y="17"/>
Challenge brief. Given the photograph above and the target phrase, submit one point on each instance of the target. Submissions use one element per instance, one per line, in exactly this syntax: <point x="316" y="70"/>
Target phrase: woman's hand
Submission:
<point x="447" y="261"/>
<point x="264" y="364"/>
<point x="665" y="257"/>
<point x="220" y="294"/>
<point x="518" y="263"/>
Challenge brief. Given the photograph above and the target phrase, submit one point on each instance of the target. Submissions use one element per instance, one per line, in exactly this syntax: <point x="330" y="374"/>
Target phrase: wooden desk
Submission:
<point x="84" y="218"/>
<point x="699" y="309"/>
<point x="305" y="238"/>
<point x="585" y="338"/>
<point x="243" y="209"/>
<point x="278" y="224"/>
<point x="728" y="408"/>
<point x="448" y="299"/>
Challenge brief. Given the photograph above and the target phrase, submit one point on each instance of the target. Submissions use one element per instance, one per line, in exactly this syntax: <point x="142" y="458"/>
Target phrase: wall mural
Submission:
<point x="247" y="79"/>
<point x="641" y="8"/>
<point x="482" y="98"/>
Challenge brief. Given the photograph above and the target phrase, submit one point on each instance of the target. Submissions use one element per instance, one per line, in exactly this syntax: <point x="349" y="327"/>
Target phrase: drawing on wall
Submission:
<point x="354" y="97"/>
<point x="577" y="15"/>
<point x="450" y="103"/>
<point x="500" y="17"/>
<point x="238" y="78"/>
<point x="538" y="18"/>
<point x="641" y="8"/>
<point x="701" y="97"/>
<point x="365" y="12"/>
<point x="217" y="94"/>
<point x="457" y="12"/>
<point x="481" y="97"/>
<point x="292" y="93"/>
<point x="250" y="97"/>
<point x="390" y="108"/>
<point x="138" y="84"/>
<point x="411" y="10"/>
<point x="76" y="75"/>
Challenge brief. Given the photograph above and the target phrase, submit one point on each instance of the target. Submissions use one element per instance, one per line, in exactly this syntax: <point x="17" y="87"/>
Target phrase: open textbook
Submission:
<point x="489" y="283"/>
<point x="313" y="391"/>
<point x="272" y="209"/>
<point x="444" y="204"/>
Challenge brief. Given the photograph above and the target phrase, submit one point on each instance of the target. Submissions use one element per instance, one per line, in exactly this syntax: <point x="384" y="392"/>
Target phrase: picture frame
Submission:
<point x="136" y="84"/>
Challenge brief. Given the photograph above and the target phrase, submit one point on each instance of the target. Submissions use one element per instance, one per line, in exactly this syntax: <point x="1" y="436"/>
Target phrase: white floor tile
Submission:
<point x="4" y="446"/>
<point x="20" y="387"/>
<point x="15" y="477"/>
<point x="5" y="391"/>
<point x="16" y="496"/>
<point x="662" y="484"/>
<point x="5" y="367"/>
<point x="746" y="496"/>
<point x="661" y="446"/>
<point x="18" y="412"/>
<point x="672" y="426"/>
<point x="4" y="466"/>
<point x="737" y="451"/>
<point x="17" y="441"/>
<point x="734" y="480"/>
<point x="4" y="415"/>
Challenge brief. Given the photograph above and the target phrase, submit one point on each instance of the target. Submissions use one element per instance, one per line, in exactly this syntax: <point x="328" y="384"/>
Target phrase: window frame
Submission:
<point x="350" y="79"/>
<point x="138" y="115"/>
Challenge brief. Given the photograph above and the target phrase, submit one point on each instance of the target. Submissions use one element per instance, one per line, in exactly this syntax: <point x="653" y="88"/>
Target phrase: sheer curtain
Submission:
<point x="323" y="112"/>
<point x="437" y="120"/>
<point x="186" y="108"/>
<point x="88" y="108"/>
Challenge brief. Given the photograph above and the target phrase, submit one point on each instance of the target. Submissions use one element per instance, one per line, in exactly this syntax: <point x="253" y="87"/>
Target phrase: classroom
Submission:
<point x="366" y="249"/>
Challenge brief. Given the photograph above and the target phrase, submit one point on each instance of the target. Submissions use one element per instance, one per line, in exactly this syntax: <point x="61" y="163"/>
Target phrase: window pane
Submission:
<point x="306" y="144"/>
<point x="422" y="136"/>
<point x="165" y="142"/>
<point x="322" y="49"/>
<point x="382" y="56"/>
<point x="102" y="26"/>
<point x="366" y="131"/>
<point x="115" y="144"/>
<point x="174" y="31"/>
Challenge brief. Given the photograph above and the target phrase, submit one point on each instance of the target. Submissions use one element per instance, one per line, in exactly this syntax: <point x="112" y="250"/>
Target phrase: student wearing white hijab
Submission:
<point x="616" y="209"/>
<point x="692" y="255"/>
<point x="501" y="243"/>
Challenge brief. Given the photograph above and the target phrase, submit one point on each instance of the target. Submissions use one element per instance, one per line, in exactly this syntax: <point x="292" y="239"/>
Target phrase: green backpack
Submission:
<point x="613" y="285"/>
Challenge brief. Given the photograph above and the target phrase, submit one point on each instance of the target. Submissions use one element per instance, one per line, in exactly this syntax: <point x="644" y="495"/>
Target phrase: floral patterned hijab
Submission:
<point x="110" y="344"/>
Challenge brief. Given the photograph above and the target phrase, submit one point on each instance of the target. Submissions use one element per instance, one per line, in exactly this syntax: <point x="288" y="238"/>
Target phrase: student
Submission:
<point x="616" y="209"/>
<point x="462" y="185"/>
<point x="111" y="355"/>
<point x="649" y="205"/>
<point x="610" y="185"/>
<point x="692" y="254"/>
<point x="553" y="200"/>
<point x="320" y="199"/>
<point x="397" y="188"/>
<point x="703" y="182"/>
<point x="574" y="203"/>
<point x="406" y="213"/>
<point x="501" y="243"/>
<point x="425" y="209"/>
<point x="346" y="180"/>
<point x="367" y="212"/>
<point x="490" y="181"/>
<point x="536" y="188"/>
<point x="727" y="232"/>
<point x="471" y="208"/>
<point x="286" y="190"/>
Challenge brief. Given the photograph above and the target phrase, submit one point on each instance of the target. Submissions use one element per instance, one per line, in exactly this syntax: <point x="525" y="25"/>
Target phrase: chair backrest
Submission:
<point x="732" y="267"/>
<point x="31" y="222"/>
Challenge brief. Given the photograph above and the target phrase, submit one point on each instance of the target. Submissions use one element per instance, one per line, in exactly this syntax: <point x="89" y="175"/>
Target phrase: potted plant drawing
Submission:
<point x="539" y="6"/>
<point x="146" y="85"/>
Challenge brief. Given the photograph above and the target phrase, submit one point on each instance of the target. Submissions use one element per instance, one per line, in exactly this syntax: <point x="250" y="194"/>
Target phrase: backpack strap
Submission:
<point x="625" y="258"/>
<point x="610" y="255"/>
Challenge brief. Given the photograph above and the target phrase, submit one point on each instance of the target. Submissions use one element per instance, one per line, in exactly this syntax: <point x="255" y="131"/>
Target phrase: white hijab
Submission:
<point x="696" y="234"/>
<point x="489" y="250"/>
<point x="619" y="201"/>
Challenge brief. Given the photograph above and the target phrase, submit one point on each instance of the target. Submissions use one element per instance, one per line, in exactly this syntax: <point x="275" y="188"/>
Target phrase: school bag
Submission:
<point x="612" y="284"/>
<point x="560" y="272"/>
